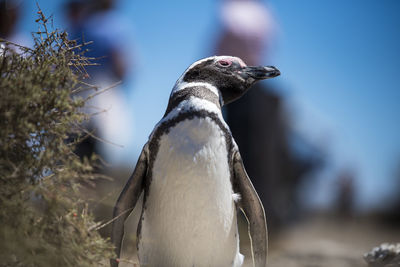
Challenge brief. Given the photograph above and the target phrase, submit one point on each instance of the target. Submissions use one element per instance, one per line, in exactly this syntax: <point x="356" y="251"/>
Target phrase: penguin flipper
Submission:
<point x="252" y="208"/>
<point x="126" y="202"/>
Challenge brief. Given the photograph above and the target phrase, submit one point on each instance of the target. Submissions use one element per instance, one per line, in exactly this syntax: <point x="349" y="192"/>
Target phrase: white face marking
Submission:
<point x="180" y="84"/>
<point x="215" y="58"/>
<point x="183" y="85"/>
<point x="230" y="58"/>
<point x="199" y="62"/>
<point x="179" y="81"/>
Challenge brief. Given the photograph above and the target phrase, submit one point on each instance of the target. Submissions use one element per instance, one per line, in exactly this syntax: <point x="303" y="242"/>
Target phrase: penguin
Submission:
<point x="192" y="176"/>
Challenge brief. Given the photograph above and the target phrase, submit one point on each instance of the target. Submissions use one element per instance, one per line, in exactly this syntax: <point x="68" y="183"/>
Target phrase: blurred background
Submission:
<point x="321" y="142"/>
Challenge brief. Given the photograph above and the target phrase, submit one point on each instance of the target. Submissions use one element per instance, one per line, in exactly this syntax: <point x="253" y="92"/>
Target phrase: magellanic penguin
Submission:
<point x="192" y="176"/>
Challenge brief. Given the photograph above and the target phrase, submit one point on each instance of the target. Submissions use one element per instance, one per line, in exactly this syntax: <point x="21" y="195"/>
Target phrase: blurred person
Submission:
<point x="247" y="26"/>
<point x="99" y="22"/>
<point x="76" y="13"/>
<point x="391" y="210"/>
<point x="10" y="13"/>
<point x="345" y="193"/>
<point x="396" y="206"/>
<point x="257" y="120"/>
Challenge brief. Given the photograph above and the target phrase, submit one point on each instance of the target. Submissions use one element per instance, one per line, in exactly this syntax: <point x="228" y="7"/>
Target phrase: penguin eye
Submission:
<point x="224" y="63"/>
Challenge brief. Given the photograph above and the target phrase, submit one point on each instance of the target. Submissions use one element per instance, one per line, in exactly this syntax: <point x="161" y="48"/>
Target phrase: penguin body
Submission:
<point x="192" y="175"/>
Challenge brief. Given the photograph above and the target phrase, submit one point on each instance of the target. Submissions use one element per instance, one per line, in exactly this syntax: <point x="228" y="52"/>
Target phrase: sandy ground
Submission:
<point x="326" y="241"/>
<point x="319" y="241"/>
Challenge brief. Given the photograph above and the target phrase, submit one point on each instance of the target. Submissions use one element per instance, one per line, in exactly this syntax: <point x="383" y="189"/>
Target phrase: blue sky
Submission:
<point x="339" y="62"/>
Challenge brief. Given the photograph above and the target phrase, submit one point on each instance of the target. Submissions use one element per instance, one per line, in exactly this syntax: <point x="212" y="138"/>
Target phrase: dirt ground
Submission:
<point x="327" y="242"/>
<point x="317" y="241"/>
<point x="320" y="241"/>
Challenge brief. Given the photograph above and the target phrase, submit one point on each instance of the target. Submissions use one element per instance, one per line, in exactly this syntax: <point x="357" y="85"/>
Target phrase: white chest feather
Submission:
<point x="190" y="216"/>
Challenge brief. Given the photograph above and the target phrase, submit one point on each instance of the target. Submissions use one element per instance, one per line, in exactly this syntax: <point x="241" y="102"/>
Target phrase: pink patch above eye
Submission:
<point x="242" y="64"/>
<point x="225" y="63"/>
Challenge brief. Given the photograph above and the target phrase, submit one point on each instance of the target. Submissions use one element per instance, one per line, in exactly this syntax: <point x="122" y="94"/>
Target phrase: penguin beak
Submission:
<point x="259" y="73"/>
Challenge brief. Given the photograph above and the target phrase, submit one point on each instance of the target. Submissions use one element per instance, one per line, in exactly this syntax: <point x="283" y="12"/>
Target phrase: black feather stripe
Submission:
<point x="192" y="91"/>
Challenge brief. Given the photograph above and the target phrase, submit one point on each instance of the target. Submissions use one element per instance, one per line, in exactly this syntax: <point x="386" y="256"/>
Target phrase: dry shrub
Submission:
<point x="43" y="220"/>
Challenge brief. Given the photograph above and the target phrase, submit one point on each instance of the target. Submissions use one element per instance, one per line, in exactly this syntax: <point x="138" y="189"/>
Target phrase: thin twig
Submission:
<point x="98" y="138"/>
<point x="110" y="221"/>
<point x="14" y="44"/>
<point x="102" y="91"/>
<point x="98" y="201"/>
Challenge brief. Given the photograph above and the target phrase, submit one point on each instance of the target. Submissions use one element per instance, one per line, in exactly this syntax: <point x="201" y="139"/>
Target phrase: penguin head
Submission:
<point x="229" y="74"/>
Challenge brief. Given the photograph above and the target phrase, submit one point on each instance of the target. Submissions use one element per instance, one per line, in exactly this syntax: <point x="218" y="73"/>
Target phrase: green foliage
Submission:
<point x="43" y="221"/>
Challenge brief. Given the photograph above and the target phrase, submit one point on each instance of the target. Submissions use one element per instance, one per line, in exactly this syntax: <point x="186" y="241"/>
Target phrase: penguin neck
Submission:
<point x="194" y="95"/>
